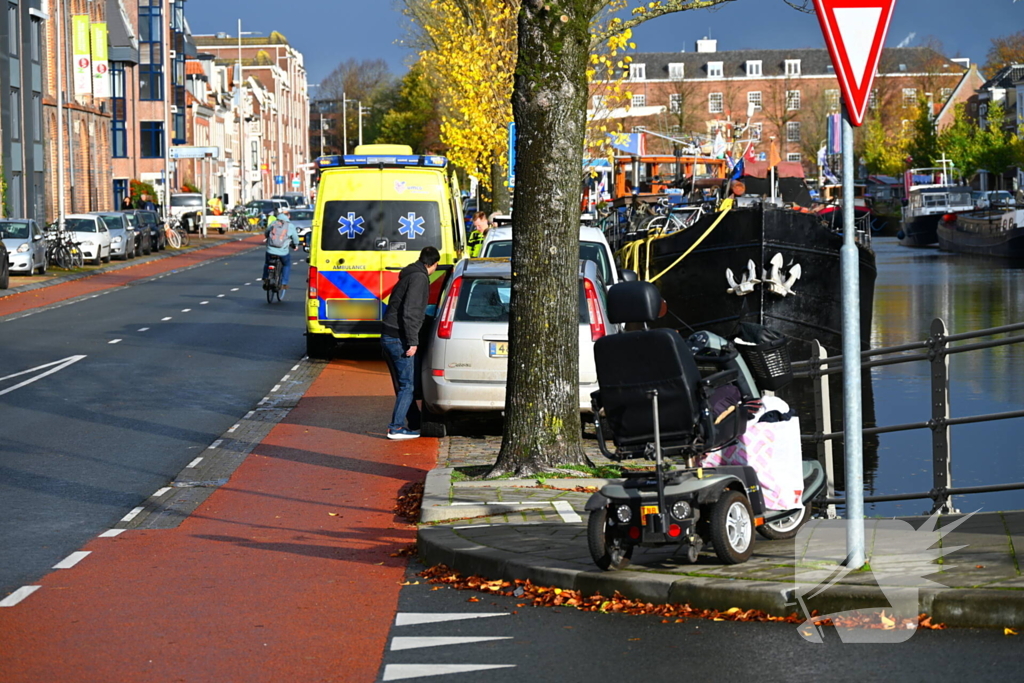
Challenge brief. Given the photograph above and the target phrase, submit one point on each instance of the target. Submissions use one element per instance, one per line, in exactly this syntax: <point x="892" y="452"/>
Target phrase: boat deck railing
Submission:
<point x="935" y="350"/>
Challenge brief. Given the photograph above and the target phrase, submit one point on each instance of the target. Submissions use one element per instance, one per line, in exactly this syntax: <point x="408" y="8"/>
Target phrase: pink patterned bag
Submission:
<point x="773" y="450"/>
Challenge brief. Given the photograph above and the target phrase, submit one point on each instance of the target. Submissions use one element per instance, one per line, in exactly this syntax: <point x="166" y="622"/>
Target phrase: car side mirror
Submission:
<point x="37" y="237"/>
<point x="627" y="275"/>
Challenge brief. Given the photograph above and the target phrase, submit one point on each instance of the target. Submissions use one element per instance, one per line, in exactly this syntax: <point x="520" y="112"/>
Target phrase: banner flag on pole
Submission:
<point x="100" y="65"/>
<point x="80" y="56"/>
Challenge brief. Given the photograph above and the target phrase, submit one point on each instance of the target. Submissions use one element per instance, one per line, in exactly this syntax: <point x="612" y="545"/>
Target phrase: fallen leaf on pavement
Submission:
<point x="1009" y="632"/>
<point x="333" y="514"/>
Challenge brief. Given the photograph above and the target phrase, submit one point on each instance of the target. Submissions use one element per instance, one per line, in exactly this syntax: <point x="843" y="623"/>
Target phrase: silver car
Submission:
<point x="122" y="234"/>
<point x="26" y="243"/>
<point x="302" y="219"/>
<point x="466" y="362"/>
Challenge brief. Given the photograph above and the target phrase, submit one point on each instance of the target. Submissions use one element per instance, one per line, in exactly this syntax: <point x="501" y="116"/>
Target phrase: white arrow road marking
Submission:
<point x="55" y="366"/>
<point x="18" y="595"/>
<point x="413" y="618"/>
<point x="436" y="641"/>
<point x="565" y="511"/>
<point x="72" y="559"/>
<point x="397" y="672"/>
<point x="857" y="26"/>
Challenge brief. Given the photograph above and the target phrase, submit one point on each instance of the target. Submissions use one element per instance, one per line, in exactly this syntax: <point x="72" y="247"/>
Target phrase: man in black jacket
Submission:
<point x="400" y="339"/>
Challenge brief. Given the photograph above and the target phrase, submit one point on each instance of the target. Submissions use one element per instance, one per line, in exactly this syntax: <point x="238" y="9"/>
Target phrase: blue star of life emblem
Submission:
<point x="412" y="225"/>
<point x="351" y="225"/>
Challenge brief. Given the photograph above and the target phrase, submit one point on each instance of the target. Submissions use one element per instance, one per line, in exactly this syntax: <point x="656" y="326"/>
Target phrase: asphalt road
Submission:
<point x="542" y="644"/>
<point x="166" y="366"/>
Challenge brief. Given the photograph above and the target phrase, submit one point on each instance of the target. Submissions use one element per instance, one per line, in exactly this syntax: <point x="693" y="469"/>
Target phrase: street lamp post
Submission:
<point x="59" y="39"/>
<point x="243" y="180"/>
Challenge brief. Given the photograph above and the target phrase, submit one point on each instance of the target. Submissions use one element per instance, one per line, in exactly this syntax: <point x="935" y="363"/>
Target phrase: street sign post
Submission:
<point x="854" y="32"/>
<point x="188" y="152"/>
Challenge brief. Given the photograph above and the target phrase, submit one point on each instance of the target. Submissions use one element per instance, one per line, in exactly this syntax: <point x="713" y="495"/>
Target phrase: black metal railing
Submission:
<point x="935" y="350"/>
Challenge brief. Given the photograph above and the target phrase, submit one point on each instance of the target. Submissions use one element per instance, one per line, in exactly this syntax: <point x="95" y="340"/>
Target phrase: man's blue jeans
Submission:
<point x="286" y="266"/>
<point x="403" y="377"/>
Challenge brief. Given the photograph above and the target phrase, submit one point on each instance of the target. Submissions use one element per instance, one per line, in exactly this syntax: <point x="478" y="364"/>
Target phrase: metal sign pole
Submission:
<point x="853" y="442"/>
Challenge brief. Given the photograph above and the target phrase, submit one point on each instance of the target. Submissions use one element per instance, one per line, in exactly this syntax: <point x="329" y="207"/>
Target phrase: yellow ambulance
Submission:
<point x="375" y="210"/>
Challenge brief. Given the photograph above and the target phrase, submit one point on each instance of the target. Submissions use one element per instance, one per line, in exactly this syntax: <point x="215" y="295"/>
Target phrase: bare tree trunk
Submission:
<point x="542" y="421"/>
<point x="499" y="190"/>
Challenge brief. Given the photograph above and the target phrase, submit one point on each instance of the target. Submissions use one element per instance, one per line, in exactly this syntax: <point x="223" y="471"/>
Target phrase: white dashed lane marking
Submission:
<point x="18" y="595"/>
<point x="133" y="514"/>
<point x="161" y="492"/>
<point x="203" y="303"/>
<point x="194" y="462"/>
<point x="165" y="319"/>
<point x="143" y="329"/>
<point x="234" y="428"/>
<point x="72" y="559"/>
<point x="220" y="296"/>
<point x="185" y="310"/>
<point x="234" y="289"/>
<point x="216" y="443"/>
<point x="110" y="533"/>
<point x="114" y="341"/>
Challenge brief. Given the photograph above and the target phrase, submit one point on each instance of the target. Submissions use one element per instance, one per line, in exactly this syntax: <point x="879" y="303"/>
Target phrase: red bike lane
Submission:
<point x="286" y="573"/>
<point x="45" y="296"/>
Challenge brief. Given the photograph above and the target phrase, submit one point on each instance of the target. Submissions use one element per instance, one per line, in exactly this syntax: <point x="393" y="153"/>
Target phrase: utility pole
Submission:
<point x="243" y="174"/>
<point x="359" y="105"/>
<point x="59" y="36"/>
<point x="344" y="124"/>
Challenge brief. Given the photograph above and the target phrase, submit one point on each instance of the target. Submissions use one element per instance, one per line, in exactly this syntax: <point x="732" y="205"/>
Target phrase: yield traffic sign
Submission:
<point x="855" y="32"/>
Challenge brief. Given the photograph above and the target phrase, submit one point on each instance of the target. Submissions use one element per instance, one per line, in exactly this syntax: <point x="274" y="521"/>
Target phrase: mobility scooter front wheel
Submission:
<point x="732" y="528"/>
<point x="608" y="552"/>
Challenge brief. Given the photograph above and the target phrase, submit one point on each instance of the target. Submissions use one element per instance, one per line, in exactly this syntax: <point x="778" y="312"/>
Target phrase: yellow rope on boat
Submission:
<point x="726" y="207"/>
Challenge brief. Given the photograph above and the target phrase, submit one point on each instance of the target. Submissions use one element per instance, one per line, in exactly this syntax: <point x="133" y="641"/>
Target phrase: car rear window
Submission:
<point x="14" y="231"/>
<point x="302" y="215"/>
<point x="380" y="226"/>
<point x="186" y="200"/>
<point x="591" y="251"/>
<point x="486" y="300"/>
<point x="113" y="222"/>
<point x="80" y="224"/>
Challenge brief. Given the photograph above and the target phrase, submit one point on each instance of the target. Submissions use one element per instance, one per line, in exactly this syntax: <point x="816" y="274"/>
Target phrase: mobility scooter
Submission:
<point x="658" y="404"/>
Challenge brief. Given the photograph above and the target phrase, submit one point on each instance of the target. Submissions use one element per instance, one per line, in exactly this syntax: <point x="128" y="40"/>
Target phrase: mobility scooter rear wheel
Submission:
<point x="608" y="552"/>
<point x="732" y="528"/>
<point x="787" y="527"/>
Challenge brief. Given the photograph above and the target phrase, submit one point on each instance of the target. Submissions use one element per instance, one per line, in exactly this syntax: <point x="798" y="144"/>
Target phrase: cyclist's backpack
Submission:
<point x="278" y="236"/>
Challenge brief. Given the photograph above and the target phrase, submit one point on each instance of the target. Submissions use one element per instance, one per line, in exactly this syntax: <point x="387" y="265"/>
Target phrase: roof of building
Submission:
<point x="220" y="39"/>
<point x="1006" y="77"/>
<point x="813" y="62"/>
<point x="193" y="67"/>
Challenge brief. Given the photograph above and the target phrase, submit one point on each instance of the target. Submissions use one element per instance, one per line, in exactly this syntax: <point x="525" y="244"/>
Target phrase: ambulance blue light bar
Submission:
<point x="338" y="161"/>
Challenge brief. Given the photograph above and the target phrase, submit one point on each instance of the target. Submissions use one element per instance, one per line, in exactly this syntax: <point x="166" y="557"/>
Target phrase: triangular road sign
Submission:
<point x="855" y="33"/>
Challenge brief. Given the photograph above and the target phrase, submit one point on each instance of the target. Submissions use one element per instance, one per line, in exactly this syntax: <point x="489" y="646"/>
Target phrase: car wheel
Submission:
<point x="42" y="266"/>
<point x="433" y="424"/>
<point x="732" y="528"/>
<point x="5" y="279"/>
<point x="98" y="260"/>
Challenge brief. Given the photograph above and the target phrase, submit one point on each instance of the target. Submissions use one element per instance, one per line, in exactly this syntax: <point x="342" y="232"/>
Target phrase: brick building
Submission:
<point x="791" y="92"/>
<point x="86" y="119"/>
<point x="275" y="100"/>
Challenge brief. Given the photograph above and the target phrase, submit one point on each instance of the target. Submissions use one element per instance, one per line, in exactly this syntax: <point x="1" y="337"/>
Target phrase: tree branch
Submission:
<point x="646" y="13"/>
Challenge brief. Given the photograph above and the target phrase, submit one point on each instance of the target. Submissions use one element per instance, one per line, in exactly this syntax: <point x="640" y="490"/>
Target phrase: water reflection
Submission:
<point x="914" y="286"/>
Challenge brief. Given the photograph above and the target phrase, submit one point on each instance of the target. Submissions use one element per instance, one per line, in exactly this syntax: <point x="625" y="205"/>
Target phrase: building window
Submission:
<point x="12" y="31"/>
<point x="946" y="93"/>
<point x="14" y="195"/>
<point x="792" y="100"/>
<point x="151" y="50"/>
<point x="675" y="103"/>
<point x="639" y="100"/>
<point x="675" y="128"/>
<point x="151" y="139"/>
<point x="873" y="99"/>
<point x="716" y="103"/>
<point x="37" y="117"/>
<point x="792" y="67"/>
<point x="637" y="72"/>
<point x="119" y="113"/>
<point x="794" y="156"/>
<point x="714" y="69"/>
<point x="753" y="67"/>
<point x="755" y="131"/>
<point x="15" y="131"/>
<point x="754" y="98"/>
<point x="35" y="40"/>
<point x="909" y="98"/>
<point x="793" y="131"/>
<point x="832" y="100"/>
<point x="676" y="71"/>
<point x="120" y="190"/>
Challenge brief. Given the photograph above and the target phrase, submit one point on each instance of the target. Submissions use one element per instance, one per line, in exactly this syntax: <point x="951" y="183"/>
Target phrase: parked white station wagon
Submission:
<point x="466" y="361"/>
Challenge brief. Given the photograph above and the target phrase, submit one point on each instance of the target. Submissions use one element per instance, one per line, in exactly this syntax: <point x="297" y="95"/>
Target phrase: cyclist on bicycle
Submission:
<point x="281" y="238"/>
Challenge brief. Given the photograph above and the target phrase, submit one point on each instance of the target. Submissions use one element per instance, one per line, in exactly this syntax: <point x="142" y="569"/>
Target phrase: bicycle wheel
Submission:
<point x="183" y="237"/>
<point x="173" y="239"/>
<point x="271" y="288"/>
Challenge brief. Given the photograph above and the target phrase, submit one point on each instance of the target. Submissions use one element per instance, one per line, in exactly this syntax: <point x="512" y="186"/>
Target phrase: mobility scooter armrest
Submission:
<point x="720" y="379"/>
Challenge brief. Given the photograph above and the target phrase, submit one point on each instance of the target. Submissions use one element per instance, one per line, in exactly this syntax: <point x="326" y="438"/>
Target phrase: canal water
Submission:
<point x="915" y="286"/>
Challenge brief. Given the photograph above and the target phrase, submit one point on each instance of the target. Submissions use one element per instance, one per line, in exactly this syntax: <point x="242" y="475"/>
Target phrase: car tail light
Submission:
<point x="313" y="275"/>
<point x="437" y="372"/>
<point x="674" y="531"/>
<point x="444" y="328"/>
<point x="634" y="532"/>
<point x="597" y="329"/>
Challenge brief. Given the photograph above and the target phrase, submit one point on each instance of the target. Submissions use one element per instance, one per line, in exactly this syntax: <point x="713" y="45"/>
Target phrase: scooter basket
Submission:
<point x="769" y="363"/>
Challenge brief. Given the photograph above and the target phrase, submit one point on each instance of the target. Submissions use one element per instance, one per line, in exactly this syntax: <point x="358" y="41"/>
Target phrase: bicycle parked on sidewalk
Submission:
<point x="177" y="235"/>
<point x="61" y="251"/>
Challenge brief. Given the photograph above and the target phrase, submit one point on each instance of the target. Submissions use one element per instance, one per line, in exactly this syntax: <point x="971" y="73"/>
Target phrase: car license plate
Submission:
<point x="353" y="309"/>
<point x="497" y="349"/>
<point x="647" y="510"/>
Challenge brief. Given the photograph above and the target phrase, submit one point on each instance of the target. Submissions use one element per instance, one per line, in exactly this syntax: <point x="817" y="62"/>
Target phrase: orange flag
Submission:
<point x="773" y="156"/>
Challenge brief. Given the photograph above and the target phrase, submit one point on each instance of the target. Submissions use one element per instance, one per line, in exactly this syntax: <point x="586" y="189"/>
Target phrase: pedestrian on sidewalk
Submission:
<point x="399" y="340"/>
<point x="147" y="203"/>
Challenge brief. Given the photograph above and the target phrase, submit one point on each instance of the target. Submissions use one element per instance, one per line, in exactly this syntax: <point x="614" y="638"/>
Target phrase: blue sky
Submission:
<point x="330" y="31"/>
